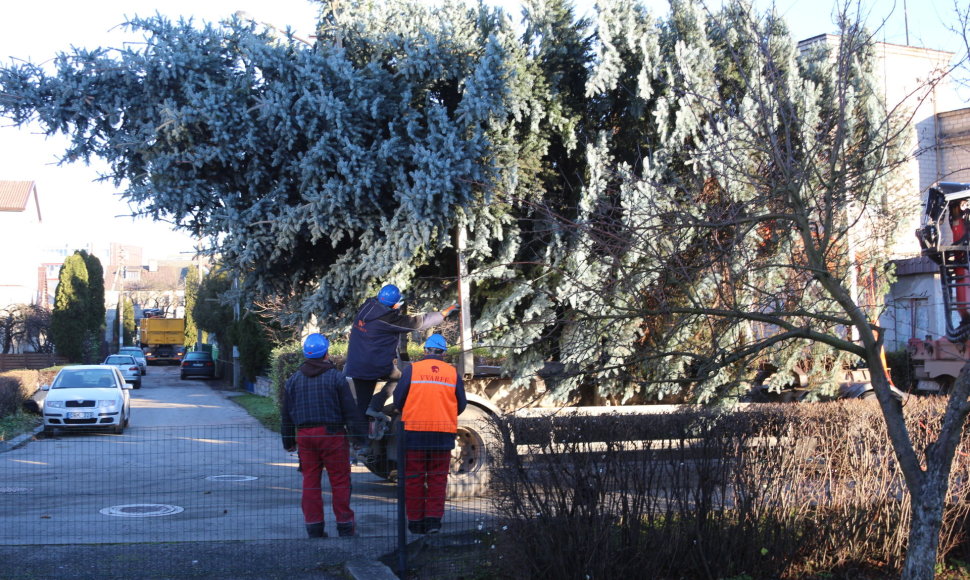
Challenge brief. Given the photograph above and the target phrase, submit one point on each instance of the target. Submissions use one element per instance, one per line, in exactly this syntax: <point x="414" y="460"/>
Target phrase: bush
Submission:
<point x="284" y="360"/>
<point x="16" y="388"/>
<point x="287" y="358"/>
<point x="774" y="491"/>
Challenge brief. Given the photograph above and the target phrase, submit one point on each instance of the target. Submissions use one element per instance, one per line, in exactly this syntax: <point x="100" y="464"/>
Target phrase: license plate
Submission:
<point x="78" y="415"/>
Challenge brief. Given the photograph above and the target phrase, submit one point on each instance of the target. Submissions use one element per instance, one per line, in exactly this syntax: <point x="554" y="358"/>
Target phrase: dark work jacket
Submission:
<point x="375" y="335"/>
<point x="433" y="440"/>
<point x="318" y="394"/>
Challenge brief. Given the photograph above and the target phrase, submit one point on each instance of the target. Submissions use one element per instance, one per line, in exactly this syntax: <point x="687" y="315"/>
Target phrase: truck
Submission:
<point x="162" y="339"/>
<point x="944" y="238"/>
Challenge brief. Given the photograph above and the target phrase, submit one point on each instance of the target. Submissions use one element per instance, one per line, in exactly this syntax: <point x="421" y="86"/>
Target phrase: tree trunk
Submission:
<point x="924" y="530"/>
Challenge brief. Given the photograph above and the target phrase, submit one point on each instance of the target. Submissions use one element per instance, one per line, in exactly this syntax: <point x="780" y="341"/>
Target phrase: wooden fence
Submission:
<point x="30" y="360"/>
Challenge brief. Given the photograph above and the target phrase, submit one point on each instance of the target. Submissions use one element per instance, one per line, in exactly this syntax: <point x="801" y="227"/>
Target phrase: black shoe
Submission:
<point x="316" y="530"/>
<point x="416" y="527"/>
<point x="432" y="525"/>
<point x="346" y="530"/>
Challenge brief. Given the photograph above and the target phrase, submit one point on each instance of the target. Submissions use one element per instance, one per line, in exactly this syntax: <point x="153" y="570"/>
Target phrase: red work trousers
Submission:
<point x="320" y="449"/>
<point x="425" y="483"/>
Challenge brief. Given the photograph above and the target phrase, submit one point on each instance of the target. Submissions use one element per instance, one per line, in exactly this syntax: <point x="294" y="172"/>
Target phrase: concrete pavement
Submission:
<point x="295" y="558"/>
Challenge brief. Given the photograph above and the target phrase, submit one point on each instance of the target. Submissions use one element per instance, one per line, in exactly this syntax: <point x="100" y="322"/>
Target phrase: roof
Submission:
<point x="916" y="266"/>
<point x="14" y="195"/>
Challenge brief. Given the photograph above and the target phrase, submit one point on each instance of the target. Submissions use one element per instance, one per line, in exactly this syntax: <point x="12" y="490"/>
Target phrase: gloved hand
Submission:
<point x="453" y="307"/>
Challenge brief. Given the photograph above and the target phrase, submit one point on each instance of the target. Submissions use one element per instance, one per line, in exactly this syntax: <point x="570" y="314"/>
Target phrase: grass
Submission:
<point x="262" y="408"/>
<point x="17" y="424"/>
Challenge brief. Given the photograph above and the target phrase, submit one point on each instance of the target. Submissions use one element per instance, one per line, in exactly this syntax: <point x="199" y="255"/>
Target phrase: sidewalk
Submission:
<point x="303" y="559"/>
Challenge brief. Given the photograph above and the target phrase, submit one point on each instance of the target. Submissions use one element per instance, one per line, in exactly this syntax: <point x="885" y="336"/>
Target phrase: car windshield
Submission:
<point x="131" y="351"/>
<point x="119" y="360"/>
<point x="84" y="378"/>
<point x="197" y="356"/>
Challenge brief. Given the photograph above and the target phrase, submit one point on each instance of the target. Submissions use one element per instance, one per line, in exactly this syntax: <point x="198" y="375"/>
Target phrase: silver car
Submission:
<point x="139" y="356"/>
<point x="128" y="367"/>
<point x="86" y="397"/>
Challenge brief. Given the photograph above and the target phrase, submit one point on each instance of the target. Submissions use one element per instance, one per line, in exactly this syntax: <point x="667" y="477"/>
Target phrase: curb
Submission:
<point x="360" y="569"/>
<point x="20" y="439"/>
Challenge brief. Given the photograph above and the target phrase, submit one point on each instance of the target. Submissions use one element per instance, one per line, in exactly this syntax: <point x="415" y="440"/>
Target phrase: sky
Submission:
<point x="78" y="210"/>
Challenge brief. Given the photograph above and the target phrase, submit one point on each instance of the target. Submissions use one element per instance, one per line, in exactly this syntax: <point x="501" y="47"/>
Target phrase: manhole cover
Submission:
<point x="141" y="510"/>
<point x="14" y="489"/>
<point x="231" y="478"/>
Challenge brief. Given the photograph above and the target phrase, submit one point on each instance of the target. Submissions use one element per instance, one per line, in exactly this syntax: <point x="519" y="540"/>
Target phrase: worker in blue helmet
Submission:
<point x="378" y="329"/>
<point x="430" y="395"/>
<point x="316" y="411"/>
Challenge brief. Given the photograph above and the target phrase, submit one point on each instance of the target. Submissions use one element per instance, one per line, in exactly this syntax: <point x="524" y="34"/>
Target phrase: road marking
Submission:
<point x="231" y="478"/>
<point x="141" y="510"/>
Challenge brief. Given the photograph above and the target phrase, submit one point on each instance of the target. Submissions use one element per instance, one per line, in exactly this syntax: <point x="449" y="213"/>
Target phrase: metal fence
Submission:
<point x="199" y="483"/>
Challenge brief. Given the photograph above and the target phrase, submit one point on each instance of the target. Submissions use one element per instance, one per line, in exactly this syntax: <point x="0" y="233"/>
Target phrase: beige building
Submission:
<point x="953" y="145"/>
<point x="20" y="238"/>
<point x="916" y="88"/>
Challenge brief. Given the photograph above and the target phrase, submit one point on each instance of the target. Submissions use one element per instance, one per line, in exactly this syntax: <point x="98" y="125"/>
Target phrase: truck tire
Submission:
<point x="471" y="461"/>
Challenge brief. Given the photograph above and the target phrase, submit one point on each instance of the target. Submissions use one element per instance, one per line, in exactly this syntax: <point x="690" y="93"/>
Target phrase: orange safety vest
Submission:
<point x="432" y="404"/>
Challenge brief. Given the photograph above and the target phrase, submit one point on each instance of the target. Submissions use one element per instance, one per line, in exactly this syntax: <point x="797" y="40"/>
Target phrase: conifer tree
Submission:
<point x="653" y="202"/>
<point x="128" y="322"/>
<point x="95" y="311"/>
<point x="191" y="294"/>
<point x="69" y="329"/>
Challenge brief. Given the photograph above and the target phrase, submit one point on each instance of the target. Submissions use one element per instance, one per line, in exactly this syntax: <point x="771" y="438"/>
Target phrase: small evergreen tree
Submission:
<point x="128" y="322"/>
<point x="69" y="328"/>
<point x="191" y="296"/>
<point x="212" y="310"/>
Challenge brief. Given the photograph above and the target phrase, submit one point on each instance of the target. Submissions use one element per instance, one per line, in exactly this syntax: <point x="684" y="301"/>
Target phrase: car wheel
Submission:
<point x="48" y="431"/>
<point x="182" y="377"/>
<point x="119" y="428"/>
<point x="137" y="384"/>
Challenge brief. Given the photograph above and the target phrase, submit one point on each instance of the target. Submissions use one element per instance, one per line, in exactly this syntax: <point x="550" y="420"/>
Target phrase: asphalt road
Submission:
<point x="193" y="484"/>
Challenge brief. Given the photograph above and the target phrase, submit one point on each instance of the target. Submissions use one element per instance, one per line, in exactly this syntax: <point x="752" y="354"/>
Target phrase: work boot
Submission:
<point x="432" y="525"/>
<point x="416" y="526"/>
<point x="346" y="529"/>
<point x="316" y="530"/>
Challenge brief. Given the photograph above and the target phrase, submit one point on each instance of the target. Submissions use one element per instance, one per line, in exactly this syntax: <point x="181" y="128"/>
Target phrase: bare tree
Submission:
<point x="761" y="232"/>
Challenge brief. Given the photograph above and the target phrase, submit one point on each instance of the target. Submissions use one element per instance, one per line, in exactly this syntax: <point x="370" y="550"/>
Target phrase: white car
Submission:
<point x="86" y="397"/>
<point x="128" y="366"/>
<point x="139" y="356"/>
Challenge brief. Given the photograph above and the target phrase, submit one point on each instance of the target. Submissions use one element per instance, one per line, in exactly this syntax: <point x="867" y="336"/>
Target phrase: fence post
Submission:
<point x="402" y="546"/>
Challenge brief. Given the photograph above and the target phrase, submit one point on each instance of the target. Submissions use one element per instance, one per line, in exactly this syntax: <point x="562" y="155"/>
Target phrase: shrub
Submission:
<point x="16" y="388"/>
<point x="774" y="491"/>
<point x="284" y="360"/>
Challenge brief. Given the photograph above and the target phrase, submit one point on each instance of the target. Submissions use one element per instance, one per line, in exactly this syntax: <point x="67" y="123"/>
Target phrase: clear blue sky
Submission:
<point x="36" y="30"/>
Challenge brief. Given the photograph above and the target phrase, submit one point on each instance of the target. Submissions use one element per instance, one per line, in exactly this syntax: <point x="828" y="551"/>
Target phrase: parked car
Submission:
<point x="198" y="364"/>
<point x="86" y="397"/>
<point x="128" y="366"/>
<point x="139" y="356"/>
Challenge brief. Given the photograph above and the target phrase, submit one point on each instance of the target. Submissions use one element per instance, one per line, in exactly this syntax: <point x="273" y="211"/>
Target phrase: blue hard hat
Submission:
<point x="436" y="341"/>
<point x="389" y="295"/>
<point x="316" y="346"/>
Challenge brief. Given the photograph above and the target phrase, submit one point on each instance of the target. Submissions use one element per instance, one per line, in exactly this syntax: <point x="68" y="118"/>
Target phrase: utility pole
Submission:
<point x="466" y="361"/>
<point x="121" y="302"/>
<point x="236" y="371"/>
